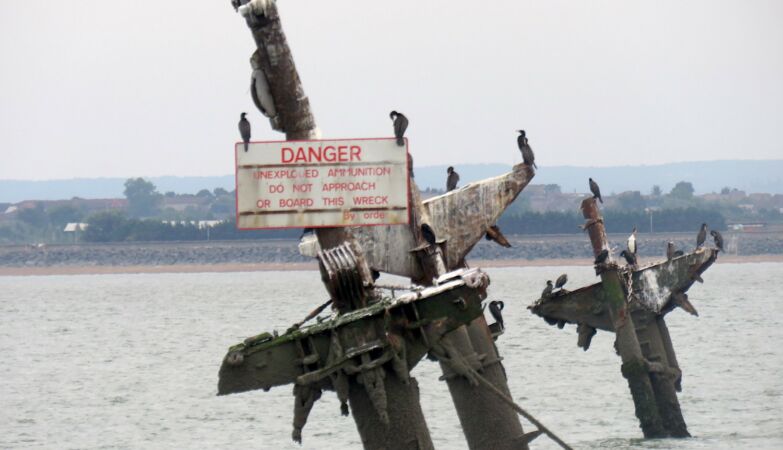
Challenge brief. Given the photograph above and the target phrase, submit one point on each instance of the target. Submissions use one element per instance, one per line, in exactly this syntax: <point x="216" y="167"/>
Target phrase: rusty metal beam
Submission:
<point x="460" y="217"/>
<point x="653" y="289"/>
<point x="614" y="298"/>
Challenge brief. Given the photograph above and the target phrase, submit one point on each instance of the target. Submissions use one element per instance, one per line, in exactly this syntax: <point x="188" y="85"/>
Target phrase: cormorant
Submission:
<point x="670" y="250"/>
<point x="495" y="308"/>
<point x="244" y="129"/>
<point x="632" y="241"/>
<point x="630" y="258"/>
<point x="547" y="292"/>
<point x="601" y="258"/>
<point x="718" y="239"/>
<point x="527" y="153"/>
<point x="595" y="190"/>
<point x="561" y="281"/>
<point x="494" y="234"/>
<point x="702" y="236"/>
<point x="428" y="234"/>
<point x="400" y="125"/>
<point x="452" y="179"/>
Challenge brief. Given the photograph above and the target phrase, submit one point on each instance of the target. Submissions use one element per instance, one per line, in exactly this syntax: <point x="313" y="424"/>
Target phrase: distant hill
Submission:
<point x="706" y="176"/>
<point x="709" y="176"/>
<point x="18" y="190"/>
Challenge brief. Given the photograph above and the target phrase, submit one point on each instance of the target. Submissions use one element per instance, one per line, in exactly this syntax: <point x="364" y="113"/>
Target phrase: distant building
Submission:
<point x="74" y="227"/>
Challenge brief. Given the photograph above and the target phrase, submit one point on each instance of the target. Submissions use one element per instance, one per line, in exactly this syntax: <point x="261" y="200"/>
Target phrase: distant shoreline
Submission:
<point x="313" y="266"/>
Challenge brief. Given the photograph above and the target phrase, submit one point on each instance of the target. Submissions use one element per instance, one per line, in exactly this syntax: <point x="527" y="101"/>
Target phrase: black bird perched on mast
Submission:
<point x="561" y="281"/>
<point x="601" y="258"/>
<point x="400" y="125"/>
<point x="244" y="129"/>
<point x="702" y="236"/>
<point x="452" y="179"/>
<point x="527" y="153"/>
<point x="595" y="190"/>
<point x="718" y="239"/>
<point x="547" y="292"/>
<point x="632" y="247"/>
<point x="630" y="258"/>
<point x="495" y="308"/>
<point x="670" y="250"/>
<point x="428" y="234"/>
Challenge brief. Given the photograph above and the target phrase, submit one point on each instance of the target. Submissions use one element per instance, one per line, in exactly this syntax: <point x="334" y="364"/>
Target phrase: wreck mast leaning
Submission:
<point x="404" y="425"/>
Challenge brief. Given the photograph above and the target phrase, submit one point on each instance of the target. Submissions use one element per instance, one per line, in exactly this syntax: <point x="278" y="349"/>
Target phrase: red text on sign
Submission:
<point x="330" y="153"/>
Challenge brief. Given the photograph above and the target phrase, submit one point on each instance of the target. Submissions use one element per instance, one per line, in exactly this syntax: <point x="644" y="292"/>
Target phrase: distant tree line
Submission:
<point x="616" y="221"/>
<point x="115" y="226"/>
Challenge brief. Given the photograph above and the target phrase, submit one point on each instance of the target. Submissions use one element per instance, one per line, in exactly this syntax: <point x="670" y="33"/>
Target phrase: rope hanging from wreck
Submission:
<point x="519" y="409"/>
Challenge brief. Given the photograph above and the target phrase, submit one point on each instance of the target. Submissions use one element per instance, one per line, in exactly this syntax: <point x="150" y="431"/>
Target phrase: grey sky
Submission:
<point x="94" y="88"/>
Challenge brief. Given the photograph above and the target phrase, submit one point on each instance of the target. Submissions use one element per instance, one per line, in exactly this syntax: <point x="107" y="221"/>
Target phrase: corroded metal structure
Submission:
<point x="366" y="346"/>
<point x="632" y="302"/>
<point x="365" y="358"/>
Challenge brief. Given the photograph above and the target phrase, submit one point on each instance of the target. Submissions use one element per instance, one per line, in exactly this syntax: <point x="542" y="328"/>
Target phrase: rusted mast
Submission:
<point x="615" y="300"/>
<point x="486" y="422"/>
<point x="403" y="425"/>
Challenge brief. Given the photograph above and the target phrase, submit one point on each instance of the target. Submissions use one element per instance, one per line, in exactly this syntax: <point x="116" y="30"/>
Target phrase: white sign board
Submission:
<point x="327" y="183"/>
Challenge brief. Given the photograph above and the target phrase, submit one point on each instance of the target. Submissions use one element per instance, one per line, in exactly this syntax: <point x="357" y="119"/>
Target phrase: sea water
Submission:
<point x="131" y="361"/>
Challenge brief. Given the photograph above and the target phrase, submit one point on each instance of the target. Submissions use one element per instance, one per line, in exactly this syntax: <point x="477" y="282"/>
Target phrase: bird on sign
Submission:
<point x="244" y="129"/>
<point x="632" y="242"/>
<point x="702" y="236"/>
<point x="561" y="281"/>
<point x="547" y="292"/>
<point x="718" y="239"/>
<point x="595" y="190"/>
<point x="400" y="125"/>
<point x="527" y="153"/>
<point x="451" y="179"/>
<point x="495" y="308"/>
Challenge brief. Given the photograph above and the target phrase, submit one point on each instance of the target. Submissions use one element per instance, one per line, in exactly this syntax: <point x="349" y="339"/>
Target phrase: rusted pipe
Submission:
<point x="634" y="367"/>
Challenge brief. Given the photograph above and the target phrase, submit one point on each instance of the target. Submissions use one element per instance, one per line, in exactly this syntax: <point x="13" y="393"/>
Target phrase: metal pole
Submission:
<point x="634" y="367"/>
<point x="273" y="60"/>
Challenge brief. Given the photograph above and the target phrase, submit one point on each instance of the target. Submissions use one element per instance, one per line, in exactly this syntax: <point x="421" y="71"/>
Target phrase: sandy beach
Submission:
<point x="256" y="267"/>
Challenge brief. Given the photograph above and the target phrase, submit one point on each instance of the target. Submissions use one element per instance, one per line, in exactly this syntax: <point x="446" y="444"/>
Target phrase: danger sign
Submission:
<point x="343" y="182"/>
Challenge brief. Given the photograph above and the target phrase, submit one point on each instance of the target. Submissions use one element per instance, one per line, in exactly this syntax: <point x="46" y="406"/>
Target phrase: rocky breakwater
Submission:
<point x="572" y="246"/>
<point x="152" y="254"/>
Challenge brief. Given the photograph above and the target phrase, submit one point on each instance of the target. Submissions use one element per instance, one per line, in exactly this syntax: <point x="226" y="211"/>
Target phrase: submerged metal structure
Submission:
<point x="633" y="302"/>
<point x="364" y="348"/>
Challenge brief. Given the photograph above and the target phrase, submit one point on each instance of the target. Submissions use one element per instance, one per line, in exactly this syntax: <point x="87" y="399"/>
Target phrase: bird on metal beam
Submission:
<point x="527" y="153"/>
<point x="451" y="179"/>
<point x="495" y="308"/>
<point x="718" y="239"/>
<point x="702" y="236"/>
